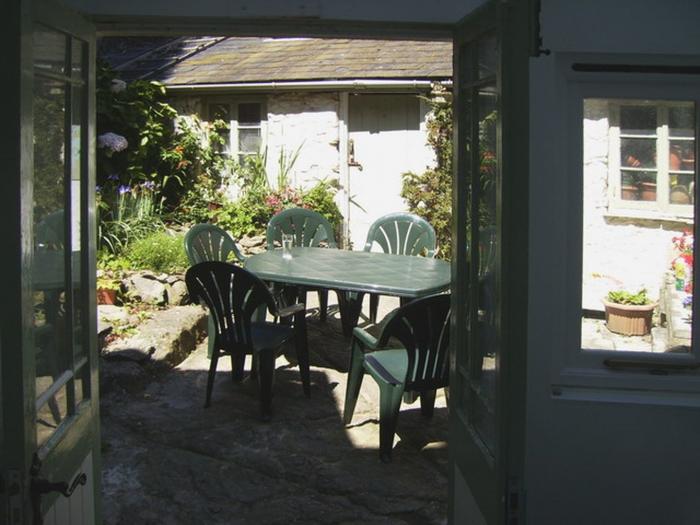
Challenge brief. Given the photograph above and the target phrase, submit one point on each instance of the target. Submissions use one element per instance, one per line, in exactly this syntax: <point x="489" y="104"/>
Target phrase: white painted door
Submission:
<point x="387" y="138"/>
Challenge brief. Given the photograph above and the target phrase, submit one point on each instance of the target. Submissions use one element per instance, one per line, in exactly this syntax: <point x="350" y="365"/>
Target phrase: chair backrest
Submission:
<point x="423" y="329"/>
<point x="309" y="228"/>
<point x="233" y="295"/>
<point x="208" y="242"/>
<point x="402" y="233"/>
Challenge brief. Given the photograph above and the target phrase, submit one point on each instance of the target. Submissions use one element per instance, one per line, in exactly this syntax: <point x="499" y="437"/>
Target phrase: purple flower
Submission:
<point x="149" y="185"/>
<point x="98" y="189"/>
<point x="113" y="176"/>
<point x="688" y="301"/>
<point x="124" y="189"/>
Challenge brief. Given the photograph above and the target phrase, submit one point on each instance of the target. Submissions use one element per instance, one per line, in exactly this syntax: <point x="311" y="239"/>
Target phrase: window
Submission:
<point x="246" y="126"/>
<point x="652" y="160"/>
<point x="637" y="277"/>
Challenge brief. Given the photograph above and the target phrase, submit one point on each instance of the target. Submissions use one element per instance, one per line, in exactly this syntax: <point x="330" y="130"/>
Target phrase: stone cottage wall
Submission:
<point x="618" y="252"/>
<point x="307" y="121"/>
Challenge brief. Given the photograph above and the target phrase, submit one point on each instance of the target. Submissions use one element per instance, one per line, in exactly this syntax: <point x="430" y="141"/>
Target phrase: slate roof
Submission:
<point x="207" y="60"/>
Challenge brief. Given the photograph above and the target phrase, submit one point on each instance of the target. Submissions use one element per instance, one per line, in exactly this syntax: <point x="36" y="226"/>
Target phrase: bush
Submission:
<point x="429" y="194"/>
<point x="160" y="252"/>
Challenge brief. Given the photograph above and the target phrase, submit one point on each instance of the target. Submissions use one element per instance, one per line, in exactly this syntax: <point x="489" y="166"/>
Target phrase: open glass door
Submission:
<point x="50" y="369"/>
<point x="489" y="264"/>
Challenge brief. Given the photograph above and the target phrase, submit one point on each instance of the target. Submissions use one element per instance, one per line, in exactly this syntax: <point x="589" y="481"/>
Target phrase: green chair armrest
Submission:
<point x="367" y="339"/>
<point x="291" y="310"/>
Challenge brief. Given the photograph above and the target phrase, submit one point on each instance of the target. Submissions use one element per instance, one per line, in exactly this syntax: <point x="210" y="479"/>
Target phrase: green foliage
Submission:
<point x="160" y="252"/>
<point x="624" y="297"/>
<point x="429" y="194"/>
<point x="250" y="214"/>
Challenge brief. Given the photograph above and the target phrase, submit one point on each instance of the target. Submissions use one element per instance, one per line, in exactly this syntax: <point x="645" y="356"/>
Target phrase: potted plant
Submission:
<point x="107" y="288"/>
<point x="628" y="313"/>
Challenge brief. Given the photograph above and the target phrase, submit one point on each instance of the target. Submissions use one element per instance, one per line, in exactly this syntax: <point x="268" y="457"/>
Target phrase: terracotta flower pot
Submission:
<point x="106" y="296"/>
<point x="648" y="191"/>
<point x="628" y="319"/>
<point x="630" y="193"/>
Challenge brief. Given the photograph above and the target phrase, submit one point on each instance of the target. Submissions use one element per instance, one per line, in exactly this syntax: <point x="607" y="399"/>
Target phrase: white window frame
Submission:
<point x="661" y="208"/>
<point x="233" y="150"/>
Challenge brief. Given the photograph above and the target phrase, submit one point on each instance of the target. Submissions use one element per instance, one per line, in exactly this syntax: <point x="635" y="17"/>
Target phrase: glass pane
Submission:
<point x="51" y="338"/>
<point x="681" y="155"/>
<point x="681" y="121"/>
<point x="76" y="168"/>
<point x="638" y="120"/>
<point x="77" y="67"/>
<point x="249" y="140"/>
<point x="51" y="413"/>
<point x="220" y="112"/>
<point x="488" y="56"/>
<point x="249" y="114"/>
<point x="638" y="185"/>
<point x="637" y="280"/>
<point x="487" y="338"/>
<point x="638" y="153"/>
<point x="49" y="50"/>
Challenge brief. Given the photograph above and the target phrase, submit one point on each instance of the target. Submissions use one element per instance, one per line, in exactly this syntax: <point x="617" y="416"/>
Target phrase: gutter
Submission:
<point x="306" y="85"/>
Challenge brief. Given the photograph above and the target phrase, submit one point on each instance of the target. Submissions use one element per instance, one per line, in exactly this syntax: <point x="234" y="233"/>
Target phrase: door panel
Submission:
<point x="489" y="268"/>
<point x="387" y="140"/>
<point x="52" y="378"/>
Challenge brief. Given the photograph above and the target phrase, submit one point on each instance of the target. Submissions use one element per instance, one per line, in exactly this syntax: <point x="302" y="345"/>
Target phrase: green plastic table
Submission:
<point x="353" y="271"/>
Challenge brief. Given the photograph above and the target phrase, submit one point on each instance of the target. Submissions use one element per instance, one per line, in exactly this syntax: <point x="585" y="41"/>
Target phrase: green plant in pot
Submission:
<point x="107" y="288"/>
<point x="629" y="313"/>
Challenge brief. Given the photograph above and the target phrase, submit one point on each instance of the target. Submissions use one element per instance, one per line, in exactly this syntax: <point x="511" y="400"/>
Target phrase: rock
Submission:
<point x="252" y="242"/>
<point x="146" y="288"/>
<point x="109" y="315"/>
<point x="173" y="333"/>
<point x="126" y="375"/>
<point x="177" y="293"/>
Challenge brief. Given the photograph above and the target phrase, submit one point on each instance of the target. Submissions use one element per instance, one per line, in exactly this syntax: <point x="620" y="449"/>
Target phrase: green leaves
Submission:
<point x="623" y="297"/>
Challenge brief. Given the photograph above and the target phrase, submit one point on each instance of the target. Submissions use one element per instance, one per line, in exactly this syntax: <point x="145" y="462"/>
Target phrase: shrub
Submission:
<point x="160" y="252"/>
<point x="429" y="194"/>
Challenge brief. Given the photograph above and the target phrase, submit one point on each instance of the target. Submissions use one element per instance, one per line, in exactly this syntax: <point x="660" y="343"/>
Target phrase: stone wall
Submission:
<point x="308" y="121"/>
<point x="618" y="252"/>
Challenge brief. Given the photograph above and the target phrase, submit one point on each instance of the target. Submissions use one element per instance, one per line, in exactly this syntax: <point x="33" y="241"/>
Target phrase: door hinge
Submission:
<point x="11" y="486"/>
<point x="514" y="502"/>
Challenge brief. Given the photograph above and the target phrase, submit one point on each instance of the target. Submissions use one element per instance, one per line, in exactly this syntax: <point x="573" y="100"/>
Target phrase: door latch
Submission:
<point x="40" y="486"/>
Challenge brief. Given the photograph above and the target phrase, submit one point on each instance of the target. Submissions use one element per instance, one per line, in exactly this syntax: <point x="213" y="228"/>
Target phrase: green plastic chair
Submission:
<point x="207" y="242"/>
<point x="234" y="295"/>
<point x="400" y="233"/>
<point x="309" y="228"/>
<point x="418" y="364"/>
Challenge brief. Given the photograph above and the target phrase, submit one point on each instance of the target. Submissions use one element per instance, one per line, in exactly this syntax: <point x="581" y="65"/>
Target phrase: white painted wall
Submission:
<point x="602" y="447"/>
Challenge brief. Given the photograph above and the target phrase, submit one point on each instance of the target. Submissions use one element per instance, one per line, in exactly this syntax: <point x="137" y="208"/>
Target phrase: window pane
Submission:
<point x="220" y="112"/>
<point x="637" y="278"/>
<point x="638" y="185"/>
<point x="681" y="121"/>
<point x="638" y="153"/>
<point x="51" y="413"/>
<point x="49" y="50"/>
<point x="249" y="114"/>
<point x="637" y="120"/>
<point x="488" y="56"/>
<point x="248" y="140"/>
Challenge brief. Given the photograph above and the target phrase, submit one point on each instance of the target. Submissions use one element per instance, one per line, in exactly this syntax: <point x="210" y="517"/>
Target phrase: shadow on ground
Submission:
<point x="168" y="460"/>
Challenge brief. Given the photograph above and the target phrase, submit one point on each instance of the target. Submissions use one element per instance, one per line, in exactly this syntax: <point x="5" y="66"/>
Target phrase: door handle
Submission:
<point x="40" y="486"/>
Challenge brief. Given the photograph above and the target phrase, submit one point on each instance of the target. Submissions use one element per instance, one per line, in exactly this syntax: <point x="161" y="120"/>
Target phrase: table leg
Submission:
<point x="350" y="305"/>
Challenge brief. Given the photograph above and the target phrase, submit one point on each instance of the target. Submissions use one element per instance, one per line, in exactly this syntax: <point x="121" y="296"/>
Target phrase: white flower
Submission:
<point x="117" y="86"/>
<point x="421" y="205"/>
<point x="112" y="141"/>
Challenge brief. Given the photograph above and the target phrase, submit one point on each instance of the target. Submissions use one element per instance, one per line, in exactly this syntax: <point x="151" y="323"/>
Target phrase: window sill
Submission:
<point x="623" y="216"/>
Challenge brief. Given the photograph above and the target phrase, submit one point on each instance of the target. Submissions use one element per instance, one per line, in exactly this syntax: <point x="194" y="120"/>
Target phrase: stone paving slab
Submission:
<point x="168" y="460"/>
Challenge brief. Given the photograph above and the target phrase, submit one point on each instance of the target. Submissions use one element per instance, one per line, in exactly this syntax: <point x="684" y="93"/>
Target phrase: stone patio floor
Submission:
<point x="166" y="459"/>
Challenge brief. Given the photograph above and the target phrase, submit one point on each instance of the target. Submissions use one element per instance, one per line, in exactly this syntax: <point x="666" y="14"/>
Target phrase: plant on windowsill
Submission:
<point x="628" y="313"/>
